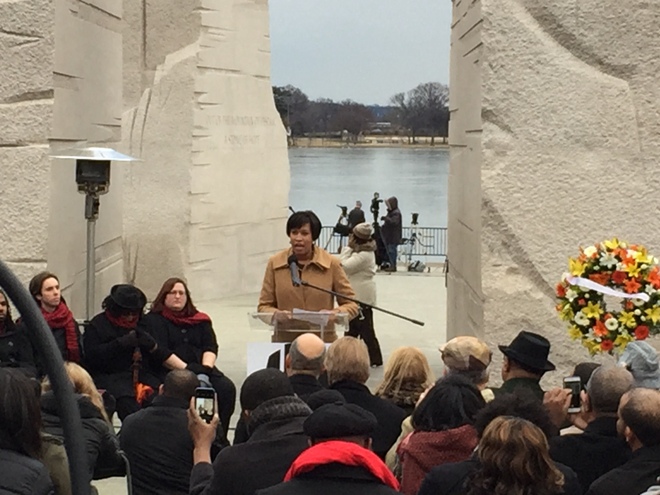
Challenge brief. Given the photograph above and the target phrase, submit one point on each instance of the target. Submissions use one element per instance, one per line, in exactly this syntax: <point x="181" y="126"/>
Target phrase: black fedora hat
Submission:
<point x="128" y="297"/>
<point x="529" y="349"/>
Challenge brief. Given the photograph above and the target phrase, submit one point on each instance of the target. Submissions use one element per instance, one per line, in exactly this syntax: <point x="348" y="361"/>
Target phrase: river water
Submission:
<point x="321" y="178"/>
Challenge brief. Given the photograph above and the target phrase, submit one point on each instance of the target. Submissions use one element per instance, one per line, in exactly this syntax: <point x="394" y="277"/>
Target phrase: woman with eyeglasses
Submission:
<point x="188" y="336"/>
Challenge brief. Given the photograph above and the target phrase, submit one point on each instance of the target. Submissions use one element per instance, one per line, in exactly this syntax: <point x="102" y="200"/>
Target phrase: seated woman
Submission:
<point x="21" y="448"/>
<point x="120" y="357"/>
<point x="187" y="335"/>
<point x="16" y="350"/>
<point x="443" y="430"/>
<point x="316" y="266"/>
<point x="103" y="457"/>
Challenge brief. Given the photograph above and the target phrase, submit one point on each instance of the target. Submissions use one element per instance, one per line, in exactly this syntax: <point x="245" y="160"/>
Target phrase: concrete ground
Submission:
<point x="421" y="296"/>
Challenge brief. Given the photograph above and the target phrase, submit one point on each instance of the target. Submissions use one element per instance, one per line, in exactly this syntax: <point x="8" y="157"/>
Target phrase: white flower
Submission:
<point x="643" y="318"/>
<point x="637" y="312"/>
<point x="608" y="260"/>
<point x="586" y="296"/>
<point x="581" y="319"/>
<point x="565" y="276"/>
<point x="571" y="294"/>
<point x="649" y="289"/>
<point x="590" y="251"/>
<point x="638" y="302"/>
<point x="611" y="324"/>
<point x="631" y="253"/>
<point x="644" y="266"/>
<point x="620" y="267"/>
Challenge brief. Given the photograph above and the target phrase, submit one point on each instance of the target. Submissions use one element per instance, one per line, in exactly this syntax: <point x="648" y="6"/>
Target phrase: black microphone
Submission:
<point x="293" y="266"/>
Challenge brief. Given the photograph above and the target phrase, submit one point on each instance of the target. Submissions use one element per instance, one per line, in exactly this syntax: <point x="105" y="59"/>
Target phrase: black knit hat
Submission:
<point x="340" y="420"/>
<point x="264" y="385"/>
<point x="323" y="397"/>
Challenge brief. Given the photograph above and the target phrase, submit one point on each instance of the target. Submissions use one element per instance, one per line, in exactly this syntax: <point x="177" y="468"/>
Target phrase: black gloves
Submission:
<point x="197" y="368"/>
<point x="129" y="340"/>
<point x="146" y="341"/>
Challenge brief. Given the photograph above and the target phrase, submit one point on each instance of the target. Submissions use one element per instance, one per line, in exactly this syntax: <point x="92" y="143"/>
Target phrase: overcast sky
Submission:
<point x="365" y="50"/>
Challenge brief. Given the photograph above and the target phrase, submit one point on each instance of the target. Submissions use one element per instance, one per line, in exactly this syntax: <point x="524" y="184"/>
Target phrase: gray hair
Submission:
<point x="300" y="362"/>
<point x="606" y="387"/>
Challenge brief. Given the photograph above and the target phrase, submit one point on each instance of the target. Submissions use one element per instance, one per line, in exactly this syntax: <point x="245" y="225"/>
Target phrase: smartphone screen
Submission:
<point x="574" y="384"/>
<point x="205" y="403"/>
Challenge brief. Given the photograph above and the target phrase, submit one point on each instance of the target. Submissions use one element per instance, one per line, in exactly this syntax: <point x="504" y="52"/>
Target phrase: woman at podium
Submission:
<point x="313" y="265"/>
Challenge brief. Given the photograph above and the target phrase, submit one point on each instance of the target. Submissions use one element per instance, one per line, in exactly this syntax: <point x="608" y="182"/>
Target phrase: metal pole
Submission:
<point x="91" y="214"/>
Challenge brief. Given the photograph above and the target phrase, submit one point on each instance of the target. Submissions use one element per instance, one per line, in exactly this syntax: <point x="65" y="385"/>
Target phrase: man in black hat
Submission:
<point x="339" y="459"/>
<point x="120" y="356"/>
<point x="525" y="363"/>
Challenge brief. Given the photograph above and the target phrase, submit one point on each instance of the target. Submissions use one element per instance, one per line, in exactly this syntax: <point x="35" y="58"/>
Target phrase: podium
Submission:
<point x="284" y="331"/>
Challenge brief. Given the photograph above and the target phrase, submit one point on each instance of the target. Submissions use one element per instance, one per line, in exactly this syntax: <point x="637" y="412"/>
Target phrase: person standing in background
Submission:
<point x="355" y="216"/>
<point x="392" y="230"/>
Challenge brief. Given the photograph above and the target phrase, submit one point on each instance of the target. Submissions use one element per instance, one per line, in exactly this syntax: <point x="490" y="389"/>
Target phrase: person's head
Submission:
<point x="45" y="289"/>
<point x="303" y="228"/>
<point x="468" y="357"/>
<point x="6" y="320"/>
<point x="639" y="418"/>
<point x="358" y="204"/>
<point x="306" y="356"/>
<point x="361" y="238"/>
<point x="605" y="388"/>
<point x="514" y="458"/>
<point x="406" y="366"/>
<point x="526" y="357"/>
<point x="125" y="302"/>
<point x="179" y="384"/>
<point x="520" y="404"/>
<point x="584" y="371"/>
<point x="451" y="403"/>
<point x="323" y="397"/>
<point x="347" y="359"/>
<point x="175" y="296"/>
<point x="340" y="421"/>
<point x="20" y="414"/>
<point x="641" y="359"/>
<point x="264" y="385"/>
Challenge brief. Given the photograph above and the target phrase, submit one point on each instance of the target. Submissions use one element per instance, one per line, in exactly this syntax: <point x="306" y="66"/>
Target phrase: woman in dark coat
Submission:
<point x="15" y="348"/>
<point x="179" y="328"/>
<point x="120" y="356"/>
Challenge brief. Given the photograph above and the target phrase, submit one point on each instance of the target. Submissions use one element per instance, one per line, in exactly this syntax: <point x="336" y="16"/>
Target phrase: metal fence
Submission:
<point x="418" y="241"/>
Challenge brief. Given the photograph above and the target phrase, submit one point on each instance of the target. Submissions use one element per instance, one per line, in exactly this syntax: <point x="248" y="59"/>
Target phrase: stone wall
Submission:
<point x="554" y="138"/>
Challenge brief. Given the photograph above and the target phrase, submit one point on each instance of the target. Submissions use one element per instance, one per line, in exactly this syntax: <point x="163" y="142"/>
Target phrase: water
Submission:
<point x="321" y="178"/>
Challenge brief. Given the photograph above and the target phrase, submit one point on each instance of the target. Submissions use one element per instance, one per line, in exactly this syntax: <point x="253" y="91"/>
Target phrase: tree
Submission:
<point x="352" y="117"/>
<point x="292" y="105"/>
<point x="424" y="108"/>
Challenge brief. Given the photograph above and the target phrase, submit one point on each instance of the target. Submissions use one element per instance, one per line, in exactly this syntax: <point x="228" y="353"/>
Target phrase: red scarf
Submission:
<point x="350" y="454"/>
<point x="120" y="322"/>
<point x="184" y="321"/>
<point x="62" y="317"/>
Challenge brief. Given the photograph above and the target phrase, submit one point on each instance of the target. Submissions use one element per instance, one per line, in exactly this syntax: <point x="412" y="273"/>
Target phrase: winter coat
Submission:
<point x="22" y="475"/>
<point x="388" y="415"/>
<point x="276" y="439"/>
<point x="325" y="271"/>
<point x="422" y="450"/>
<point x="592" y="453"/>
<point x="634" y="477"/>
<point x="392" y="228"/>
<point x="510" y="386"/>
<point x="355" y="216"/>
<point x="360" y="268"/>
<point x="16" y="351"/>
<point x="103" y="458"/>
<point x="111" y="364"/>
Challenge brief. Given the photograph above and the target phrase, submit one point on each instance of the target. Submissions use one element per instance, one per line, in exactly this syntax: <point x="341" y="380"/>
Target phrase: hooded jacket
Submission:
<point x="392" y="229"/>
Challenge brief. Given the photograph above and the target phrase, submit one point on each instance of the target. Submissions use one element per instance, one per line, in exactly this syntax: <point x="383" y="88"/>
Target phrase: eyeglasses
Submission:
<point x="177" y="293"/>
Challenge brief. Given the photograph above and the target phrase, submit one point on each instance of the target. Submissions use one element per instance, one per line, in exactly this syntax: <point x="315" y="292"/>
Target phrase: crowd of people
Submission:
<point x="315" y="427"/>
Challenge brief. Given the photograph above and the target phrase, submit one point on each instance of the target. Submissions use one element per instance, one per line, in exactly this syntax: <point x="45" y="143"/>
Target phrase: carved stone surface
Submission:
<point x="554" y="136"/>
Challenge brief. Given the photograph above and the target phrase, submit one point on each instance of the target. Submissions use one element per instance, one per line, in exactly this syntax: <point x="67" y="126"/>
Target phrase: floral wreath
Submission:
<point x="618" y="269"/>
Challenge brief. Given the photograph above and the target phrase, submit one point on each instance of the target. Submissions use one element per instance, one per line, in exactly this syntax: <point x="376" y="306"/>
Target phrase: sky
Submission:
<point x="363" y="50"/>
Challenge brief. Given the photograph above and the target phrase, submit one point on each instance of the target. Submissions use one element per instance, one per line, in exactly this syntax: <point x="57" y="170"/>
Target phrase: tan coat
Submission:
<point x="278" y="293"/>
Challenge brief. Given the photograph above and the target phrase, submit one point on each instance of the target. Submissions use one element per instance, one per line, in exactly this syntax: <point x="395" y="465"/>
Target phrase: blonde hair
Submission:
<point x="347" y="359"/>
<point x="405" y="366"/>
<point x="83" y="384"/>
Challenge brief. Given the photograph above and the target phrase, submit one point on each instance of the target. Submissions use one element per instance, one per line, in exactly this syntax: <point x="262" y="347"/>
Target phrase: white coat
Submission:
<point x="360" y="268"/>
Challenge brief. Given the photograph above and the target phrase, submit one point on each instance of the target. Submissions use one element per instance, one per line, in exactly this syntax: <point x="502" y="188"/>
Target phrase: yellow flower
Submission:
<point x="642" y="256"/>
<point x="575" y="333"/>
<point x="611" y="244"/>
<point x="576" y="267"/>
<point x="623" y="340"/>
<point x="633" y="270"/>
<point x="653" y="314"/>
<point x="566" y="313"/>
<point x="592" y="346"/>
<point x="627" y="318"/>
<point x="592" y="310"/>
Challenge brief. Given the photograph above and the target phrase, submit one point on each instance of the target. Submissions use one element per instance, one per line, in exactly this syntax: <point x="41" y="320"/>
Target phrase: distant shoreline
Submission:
<point x="369" y="142"/>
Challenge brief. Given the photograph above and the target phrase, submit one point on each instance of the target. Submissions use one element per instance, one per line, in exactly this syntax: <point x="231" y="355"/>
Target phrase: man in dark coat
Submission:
<point x="599" y="449"/>
<point x="339" y="459"/>
<point x="275" y="424"/>
<point x="392" y="230"/>
<point x="525" y="363"/>
<point x="15" y="347"/>
<point x="157" y="441"/>
<point x="355" y="216"/>
<point x="347" y="363"/>
<point x="639" y="424"/>
<point x="452" y="478"/>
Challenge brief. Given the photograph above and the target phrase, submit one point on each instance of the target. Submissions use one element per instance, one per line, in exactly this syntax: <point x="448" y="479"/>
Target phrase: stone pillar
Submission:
<point x="210" y="199"/>
<point x="555" y="139"/>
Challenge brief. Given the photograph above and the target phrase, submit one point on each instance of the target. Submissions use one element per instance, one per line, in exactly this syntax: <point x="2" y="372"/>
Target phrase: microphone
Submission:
<point x="293" y="266"/>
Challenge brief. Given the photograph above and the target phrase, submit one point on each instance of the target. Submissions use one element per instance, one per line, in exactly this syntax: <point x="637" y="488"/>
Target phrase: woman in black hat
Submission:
<point x="119" y="356"/>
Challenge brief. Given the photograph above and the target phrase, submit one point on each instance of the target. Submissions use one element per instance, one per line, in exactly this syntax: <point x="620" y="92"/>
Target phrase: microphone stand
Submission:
<point x="363" y="304"/>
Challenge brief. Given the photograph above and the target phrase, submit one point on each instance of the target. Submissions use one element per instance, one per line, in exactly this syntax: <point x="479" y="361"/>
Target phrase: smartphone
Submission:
<point x="205" y="403"/>
<point x="574" y="384"/>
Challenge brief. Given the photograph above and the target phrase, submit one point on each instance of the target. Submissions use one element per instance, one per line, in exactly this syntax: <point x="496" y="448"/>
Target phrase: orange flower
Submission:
<point x="600" y="278"/>
<point x="641" y="332"/>
<point x="618" y="277"/>
<point x="629" y="305"/>
<point x="606" y="345"/>
<point x="600" y="330"/>
<point x="561" y="290"/>
<point x="582" y="302"/>
<point x="632" y="286"/>
<point x="654" y="277"/>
